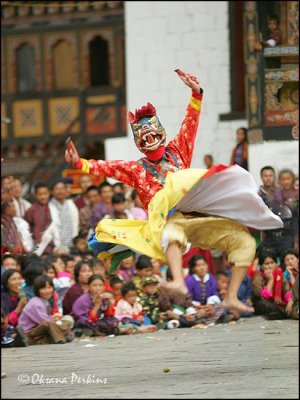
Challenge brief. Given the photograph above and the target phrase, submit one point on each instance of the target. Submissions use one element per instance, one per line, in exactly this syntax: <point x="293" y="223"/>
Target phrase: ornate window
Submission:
<point x="25" y="59"/>
<point x="99" y="62"/>
<point x="63" y="65"/>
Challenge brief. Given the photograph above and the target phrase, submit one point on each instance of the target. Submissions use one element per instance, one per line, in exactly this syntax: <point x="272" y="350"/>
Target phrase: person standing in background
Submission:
<point x="208" y="161"/>
<point x="239" y="154"/>
<point x="20" y="204"/>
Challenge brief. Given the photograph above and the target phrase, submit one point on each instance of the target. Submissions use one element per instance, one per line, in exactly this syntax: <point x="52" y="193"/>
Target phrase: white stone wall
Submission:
<point x="194" y="36"/>
<point x="278" y="154"/>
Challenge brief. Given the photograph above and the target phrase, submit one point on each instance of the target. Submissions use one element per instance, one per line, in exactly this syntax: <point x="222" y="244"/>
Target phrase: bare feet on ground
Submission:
<point x="236" y="305"/>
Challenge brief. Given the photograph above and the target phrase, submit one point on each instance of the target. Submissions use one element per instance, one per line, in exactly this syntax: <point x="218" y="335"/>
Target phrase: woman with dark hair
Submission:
<point x="202" y="287"/>
<point x="94" y="310"/>
<point x="82" y="272"/>
<point x="12" y="298"/>
<point x="41" y="324"/>
<point x="239" y="154"/>
<point x="271" y="295"/>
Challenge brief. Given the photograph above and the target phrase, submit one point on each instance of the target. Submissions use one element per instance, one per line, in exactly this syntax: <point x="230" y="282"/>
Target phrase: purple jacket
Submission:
<point x="193" y="284"/>
<point x="34" y="313"/>
<point x="84" y="304"/>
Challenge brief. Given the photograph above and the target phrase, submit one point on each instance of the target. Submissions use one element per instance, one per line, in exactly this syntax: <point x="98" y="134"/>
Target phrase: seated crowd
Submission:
<point x="54" y="289"/>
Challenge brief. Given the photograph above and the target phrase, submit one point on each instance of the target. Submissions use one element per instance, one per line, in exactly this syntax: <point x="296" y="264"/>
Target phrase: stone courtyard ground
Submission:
<point x="252" y="359"/>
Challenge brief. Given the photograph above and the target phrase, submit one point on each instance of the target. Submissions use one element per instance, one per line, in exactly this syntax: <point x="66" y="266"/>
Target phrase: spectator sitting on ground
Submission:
<point x="116" y="284"/>
<point x="61" y="282"/>
<point x="82" y="272"/>
<point x="271" y="295"/>
<point x="149" y="300"/>
<point x="13" y="299"/>
<point x="178" y="307"/>
<point x="290" y="259"/>
<point x="130" y="312"/>
<point x="69" y="266"/>
<point x="126" y="270"/>
<point x="143" y="269"/>
<point x="295" y="293"/>
<point x="33" y="269"/>
<point x="39" y="321"/>
<point x="94" y="311"/>
<point x="203" y="288"/>
<point x="222" y="284"/>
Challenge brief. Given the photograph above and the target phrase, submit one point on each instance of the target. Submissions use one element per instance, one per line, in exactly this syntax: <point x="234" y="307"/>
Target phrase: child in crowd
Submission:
<point x="178" y="307"/>
<point x="9" y="261"/>
<point x="149" y="300"/>
<point x="82" y="272"/>
<point x="41" y="323"/>
<point x="69" y="266"/>
<point x="98" y="267"/>
<point x="55" y="268"/>
<point x="271" y="295"/>
<point x="80" y="244"/>
<point x="127" y="268"/>
<point x="116" y="284"/>
<point x="222" y="284"/>
<point x="94" y="311"/>
<point x="290" y="259"/>
<point x="129" y="310"/>
<point x="203" y="288"/>
<point x="33" y="269"/>
<point x="143" y="269"/>
<point x="159" y="269"/>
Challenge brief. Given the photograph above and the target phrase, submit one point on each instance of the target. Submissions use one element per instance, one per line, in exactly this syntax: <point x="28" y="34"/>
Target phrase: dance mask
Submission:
<point x="149" y="134"/>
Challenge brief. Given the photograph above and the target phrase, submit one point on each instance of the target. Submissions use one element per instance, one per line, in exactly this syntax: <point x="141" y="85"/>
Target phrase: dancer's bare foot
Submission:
<point x="174" y="288"/>
<point x="233" y="304"/>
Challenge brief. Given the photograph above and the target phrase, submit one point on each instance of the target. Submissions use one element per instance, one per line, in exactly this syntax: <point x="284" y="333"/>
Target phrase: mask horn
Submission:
<point x="131" y="117"/>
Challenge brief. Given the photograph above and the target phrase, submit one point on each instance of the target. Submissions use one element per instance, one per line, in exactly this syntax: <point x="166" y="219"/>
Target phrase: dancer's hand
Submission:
<point x="190" y="80"/>
<point x="71" y="155"/>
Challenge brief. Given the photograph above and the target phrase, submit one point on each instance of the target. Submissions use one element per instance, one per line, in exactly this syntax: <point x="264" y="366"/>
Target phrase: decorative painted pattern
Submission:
<point x="27" y="118"/>
<point x="62" y="112"/>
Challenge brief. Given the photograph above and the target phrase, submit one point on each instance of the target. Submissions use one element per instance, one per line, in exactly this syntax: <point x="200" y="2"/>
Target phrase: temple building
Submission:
<point x="74" y="68"/>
